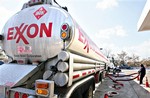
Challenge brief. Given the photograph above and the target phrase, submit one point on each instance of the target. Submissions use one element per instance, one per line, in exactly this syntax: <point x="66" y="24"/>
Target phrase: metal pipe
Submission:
<point x="61" y="79"/>
<point x="79" y="66"/>
<point x="64" y="67"/>
<point x="64" y="56"/>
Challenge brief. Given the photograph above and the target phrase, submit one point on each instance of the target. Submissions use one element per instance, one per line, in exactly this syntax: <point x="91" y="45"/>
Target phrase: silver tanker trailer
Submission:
<point x="51" y="56"/>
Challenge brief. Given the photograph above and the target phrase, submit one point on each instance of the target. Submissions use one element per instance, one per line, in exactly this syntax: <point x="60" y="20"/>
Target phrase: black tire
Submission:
<point x="97" y="77"/>
<point x="85" y="90"/>
<point x="77" y="94"/>
<point x="89" y="92"/>
<point x="100" y="77"/>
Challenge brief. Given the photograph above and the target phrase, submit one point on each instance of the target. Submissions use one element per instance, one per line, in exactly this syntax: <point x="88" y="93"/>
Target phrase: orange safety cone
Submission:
<point x="106" y="96"/>
<point x="147" y="84"/>
<point x="138" y="78"/>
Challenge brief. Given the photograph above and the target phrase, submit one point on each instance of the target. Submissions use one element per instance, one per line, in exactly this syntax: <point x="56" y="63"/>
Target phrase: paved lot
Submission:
<point x="131" y="89"/>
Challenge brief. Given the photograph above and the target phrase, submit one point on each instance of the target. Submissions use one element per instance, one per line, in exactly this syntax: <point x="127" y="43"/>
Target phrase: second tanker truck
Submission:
<point x="51" y="56"/>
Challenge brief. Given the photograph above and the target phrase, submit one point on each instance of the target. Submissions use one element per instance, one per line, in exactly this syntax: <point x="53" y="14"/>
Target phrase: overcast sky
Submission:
<point x="111" y="24"/>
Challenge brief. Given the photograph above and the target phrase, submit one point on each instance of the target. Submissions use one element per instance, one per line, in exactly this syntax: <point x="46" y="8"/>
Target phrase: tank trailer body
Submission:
<point x="51" y="56"/>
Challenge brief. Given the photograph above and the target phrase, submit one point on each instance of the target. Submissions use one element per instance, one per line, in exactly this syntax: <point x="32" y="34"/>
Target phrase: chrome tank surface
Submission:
<point x="34" y="33"/>
<point x="81" y="44"/>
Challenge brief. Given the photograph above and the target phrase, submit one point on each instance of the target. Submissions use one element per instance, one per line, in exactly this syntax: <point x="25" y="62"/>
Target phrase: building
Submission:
<point x="144" y="21"/>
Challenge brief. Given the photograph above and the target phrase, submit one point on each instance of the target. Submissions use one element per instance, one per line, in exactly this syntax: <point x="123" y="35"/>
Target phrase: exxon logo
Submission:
<point x="40" y="12"/>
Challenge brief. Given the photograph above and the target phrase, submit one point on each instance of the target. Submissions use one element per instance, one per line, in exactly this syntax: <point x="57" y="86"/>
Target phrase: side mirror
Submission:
<point x="1" y="37"/>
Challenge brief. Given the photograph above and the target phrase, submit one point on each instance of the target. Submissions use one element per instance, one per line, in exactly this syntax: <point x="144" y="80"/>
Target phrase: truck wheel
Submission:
<point x="100" y="77"/>
<point x="89" y="93"/>
<point x="96" y="77"/>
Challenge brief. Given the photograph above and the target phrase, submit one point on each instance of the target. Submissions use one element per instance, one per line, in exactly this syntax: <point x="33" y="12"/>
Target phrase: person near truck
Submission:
<point x="142" y="73"/>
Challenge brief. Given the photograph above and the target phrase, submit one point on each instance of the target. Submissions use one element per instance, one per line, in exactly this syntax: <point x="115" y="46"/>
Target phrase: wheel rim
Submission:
<point x="90" y="94"/>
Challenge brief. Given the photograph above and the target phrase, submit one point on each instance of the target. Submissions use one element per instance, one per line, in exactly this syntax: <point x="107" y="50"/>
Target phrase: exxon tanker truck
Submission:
<point x="50" y="56"/>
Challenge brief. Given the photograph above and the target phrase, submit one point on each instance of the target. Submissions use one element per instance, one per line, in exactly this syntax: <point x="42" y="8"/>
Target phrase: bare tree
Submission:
<point x="123" y="57"/>
<point x="135" y="59"/>
<point x="146" y="61"/>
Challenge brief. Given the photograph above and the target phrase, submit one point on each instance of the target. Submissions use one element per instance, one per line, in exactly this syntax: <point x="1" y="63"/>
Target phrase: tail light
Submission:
<point x="19" y="95"/>
<point x="45" y="88"/>
<point x="42" y="88"/>
<point x="42" y="85"/>
<point x="16" y="95"/>
<point x="43" y="92"/>
<point x="24" y="96"/>
<point x="64" y="27"/>
<point x="65" y="31"/>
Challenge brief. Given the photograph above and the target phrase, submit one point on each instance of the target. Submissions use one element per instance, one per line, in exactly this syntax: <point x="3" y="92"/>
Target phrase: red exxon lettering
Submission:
<point x="44" y="29"/>
<point x="31" y="31"/>
<point x="81" y="37"/>
<point x="36" y="29"/>
<point x="20" y="33"/>
<point x="87" y="46"/>
<point x="10" y="34"/>
<point x="83" y="40"/>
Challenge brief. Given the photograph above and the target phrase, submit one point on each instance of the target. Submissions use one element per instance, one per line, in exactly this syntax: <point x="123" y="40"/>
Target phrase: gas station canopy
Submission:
<point x="144" y="21"/>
